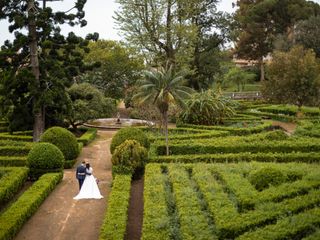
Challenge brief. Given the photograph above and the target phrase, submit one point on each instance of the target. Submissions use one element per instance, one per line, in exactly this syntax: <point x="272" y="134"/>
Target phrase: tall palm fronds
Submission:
<point x="163" y="87"/>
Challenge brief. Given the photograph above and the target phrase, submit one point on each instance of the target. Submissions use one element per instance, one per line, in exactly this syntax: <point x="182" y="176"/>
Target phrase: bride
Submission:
<point x="89" y="188"/>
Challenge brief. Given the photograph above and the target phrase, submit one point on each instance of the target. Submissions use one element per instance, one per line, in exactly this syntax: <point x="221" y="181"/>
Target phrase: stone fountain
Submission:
<point x="117" y="123"/>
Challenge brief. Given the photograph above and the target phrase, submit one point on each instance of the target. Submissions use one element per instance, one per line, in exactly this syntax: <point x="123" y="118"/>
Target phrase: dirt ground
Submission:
<point x="135" y="211"/>
<point x="61" y="217"/>
<point x="287" y="126"/>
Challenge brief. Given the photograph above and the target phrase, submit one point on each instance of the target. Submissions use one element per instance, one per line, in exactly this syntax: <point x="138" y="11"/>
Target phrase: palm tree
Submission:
<point x="163" y="87"/>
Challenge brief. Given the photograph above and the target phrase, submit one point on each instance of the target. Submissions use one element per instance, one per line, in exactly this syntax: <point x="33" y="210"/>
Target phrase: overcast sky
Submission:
<point x="99" y="17"/>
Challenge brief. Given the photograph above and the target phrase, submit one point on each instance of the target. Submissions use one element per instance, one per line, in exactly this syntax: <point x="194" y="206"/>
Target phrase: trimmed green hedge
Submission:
<point x="14" y="150"/>
<point x="20" y="211"/>
<point x="313" y="236"/>
<point x="11" y="182"/>
<point x="229" y="145"/>
<point x="207" y="134"/>
<point x="3" y="129"/>
<point x="307" y="157"/>
<point x="64" y="140"/>
<point x="156" y="222"/>
<point x="15" y="143"/>
<point x="287" y="228"/>
<point x="274" y="116"/>
<point x="193" y="222"/>
<point x="14" y="161"/>
<point x="229" y="222"/>
<point x="115" y="220"/>
<point x="291" y="110"/>
<point x="129" y="133"/>
<point x="235" y="131"/>
<point x="16" y="137"/>
<point x="308" y="128"/>
<point x="88" y="136"/>
<point x="44" y="157"/>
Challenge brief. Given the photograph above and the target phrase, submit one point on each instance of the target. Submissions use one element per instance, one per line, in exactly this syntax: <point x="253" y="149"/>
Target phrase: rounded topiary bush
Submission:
<point x="43" y="158"/>
<point x="128" y="157"/>
<point x="64" y="140"/>
<point x="129" y="133"/>
<point x="266" y="177"/>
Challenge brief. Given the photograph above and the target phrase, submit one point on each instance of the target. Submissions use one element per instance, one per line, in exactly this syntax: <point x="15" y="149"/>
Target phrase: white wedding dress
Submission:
<point x="89" y="187"/>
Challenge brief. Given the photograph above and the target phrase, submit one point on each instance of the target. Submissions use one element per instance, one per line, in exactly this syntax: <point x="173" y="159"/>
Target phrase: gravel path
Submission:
<point x="62" y="218"/>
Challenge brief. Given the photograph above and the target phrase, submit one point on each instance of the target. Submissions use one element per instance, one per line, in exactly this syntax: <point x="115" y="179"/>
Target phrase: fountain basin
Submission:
<point x="114" y="123"/>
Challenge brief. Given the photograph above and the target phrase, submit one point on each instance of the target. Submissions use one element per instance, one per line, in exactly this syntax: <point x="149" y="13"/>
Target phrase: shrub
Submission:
<point x="88" y="136"/>
<point x="129" y="134"/>
<point x="207" y="108"/>
<point x="43" y="158"/>
<point x="115" y="220"/>
<point x="276" y="135"/>
<point x="64" y="140"/>
<point x="13" y="218"/>
<point x="128" y="157"/>
<point x="265" y="177"/>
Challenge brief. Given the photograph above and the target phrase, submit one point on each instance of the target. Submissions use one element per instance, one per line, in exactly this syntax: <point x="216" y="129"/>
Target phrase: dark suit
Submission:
<point x="81" y="174"/>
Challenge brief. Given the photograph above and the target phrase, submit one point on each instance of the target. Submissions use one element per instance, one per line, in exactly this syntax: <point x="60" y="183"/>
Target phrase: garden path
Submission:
<point x="62" y="218"/>
<point x="289" y="127"/>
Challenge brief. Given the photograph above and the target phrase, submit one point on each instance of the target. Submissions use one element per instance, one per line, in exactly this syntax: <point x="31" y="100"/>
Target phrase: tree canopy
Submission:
<point x="259" y="22"/>
<point x="43" y="57"/>
<point x="120" y="67"/>
<point x="293" y="77"/>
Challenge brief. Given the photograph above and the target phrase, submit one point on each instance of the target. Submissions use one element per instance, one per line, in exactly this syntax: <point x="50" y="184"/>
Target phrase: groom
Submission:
<point x="81" y="173"/>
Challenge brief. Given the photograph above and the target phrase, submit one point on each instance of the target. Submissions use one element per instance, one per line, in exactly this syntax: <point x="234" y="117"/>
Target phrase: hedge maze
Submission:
<point x="244" y="180"/>
<point x="18" y="204"/>
<point x="218" y="201"/>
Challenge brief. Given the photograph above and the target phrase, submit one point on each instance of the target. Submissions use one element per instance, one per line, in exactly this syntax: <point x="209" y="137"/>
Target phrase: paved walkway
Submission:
<point x="62" y="218"/>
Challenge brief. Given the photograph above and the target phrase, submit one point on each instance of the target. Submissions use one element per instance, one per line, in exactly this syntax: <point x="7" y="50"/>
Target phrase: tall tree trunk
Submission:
<point x="165" y="117"/>
<point x="38" y="111"/>
<point x="262" y="70"/>
<point x="169" y="49"/>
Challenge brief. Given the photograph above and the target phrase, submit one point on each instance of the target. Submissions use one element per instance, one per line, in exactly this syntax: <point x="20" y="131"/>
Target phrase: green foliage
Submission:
<point x="43" y="158"/>
<point x="60" y="60"/>
<point x="155" y="226"/>
<point x="300" y="224"/>
<point x="115" y="220"/>
<point x="13" y="161"/>
<point x="88" y="103"/>
<point x="293" y="78"/>
<point x="14" y="150"/>
<point x="13" y="218"/>
<point x="304" y="157"/>
<point x="183" y="189"/>
<point x="258" y="22"/>
<point x="129" y="133"/>
<point x="128" y="157"/>
<point x="163" y="87"/>
<point x="206" y="108"/>
<point x="308" y="32"/>
<point x="265" y="177"/>
<point x="308" y="129"/>
<point x="11" y="182"/>
<point x="217" y="201"/>
<point x="15" y="137"/>
<point x="238" y="145"/>
<point x="120" y="67"/>
<point x="232" y="130"/>
<point x="160" y="39"/>
<point x="239" y="77"/>
<point x="64" y="140"/>
<point x="88" y="136"/>
<point x="291" y="110"/>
